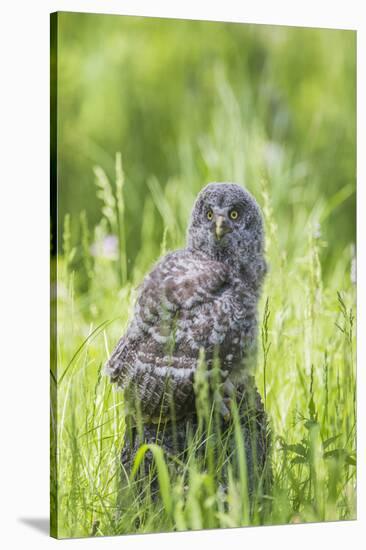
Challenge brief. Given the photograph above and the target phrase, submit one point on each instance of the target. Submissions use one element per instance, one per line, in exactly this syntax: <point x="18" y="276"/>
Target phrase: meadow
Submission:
<point x="284" y="130"/>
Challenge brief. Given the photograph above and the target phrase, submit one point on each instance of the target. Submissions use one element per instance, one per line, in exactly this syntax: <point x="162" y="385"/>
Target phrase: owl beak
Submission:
<point x="220" y="228"/>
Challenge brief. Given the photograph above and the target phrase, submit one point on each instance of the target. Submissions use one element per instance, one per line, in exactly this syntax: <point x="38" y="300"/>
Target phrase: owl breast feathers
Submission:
<point x="193" y="299"/>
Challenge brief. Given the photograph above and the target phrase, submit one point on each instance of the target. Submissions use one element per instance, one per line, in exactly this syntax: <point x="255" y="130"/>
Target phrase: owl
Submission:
<point x="201" y="299"/>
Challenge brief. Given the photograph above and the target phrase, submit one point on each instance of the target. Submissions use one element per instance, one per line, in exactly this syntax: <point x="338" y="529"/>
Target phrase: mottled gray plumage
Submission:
<point x="201" y="297"/>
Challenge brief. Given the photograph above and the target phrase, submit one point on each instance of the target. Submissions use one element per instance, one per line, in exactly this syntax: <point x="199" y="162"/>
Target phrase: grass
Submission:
<point x="305" y="373"/>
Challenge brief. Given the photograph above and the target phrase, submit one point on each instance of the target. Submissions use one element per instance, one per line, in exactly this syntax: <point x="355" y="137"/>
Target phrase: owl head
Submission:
<point x="226" y="224"/>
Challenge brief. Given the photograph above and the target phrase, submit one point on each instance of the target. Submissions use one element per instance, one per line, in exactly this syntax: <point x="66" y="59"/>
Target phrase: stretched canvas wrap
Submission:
<point x="202" y="275"/>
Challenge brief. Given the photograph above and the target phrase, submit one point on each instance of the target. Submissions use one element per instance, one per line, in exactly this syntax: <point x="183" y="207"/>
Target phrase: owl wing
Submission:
<point x="147" y="362"/>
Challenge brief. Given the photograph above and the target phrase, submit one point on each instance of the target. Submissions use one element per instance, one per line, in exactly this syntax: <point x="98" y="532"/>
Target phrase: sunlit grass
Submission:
<point x="305" y="374"/>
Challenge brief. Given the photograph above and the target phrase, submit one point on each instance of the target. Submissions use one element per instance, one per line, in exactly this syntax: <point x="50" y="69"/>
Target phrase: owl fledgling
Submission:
<point x="201" y="297"/>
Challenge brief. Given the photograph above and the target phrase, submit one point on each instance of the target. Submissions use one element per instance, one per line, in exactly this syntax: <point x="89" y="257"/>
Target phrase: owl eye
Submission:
<point x="209" y="214"/>
<point x="234" y="214"/>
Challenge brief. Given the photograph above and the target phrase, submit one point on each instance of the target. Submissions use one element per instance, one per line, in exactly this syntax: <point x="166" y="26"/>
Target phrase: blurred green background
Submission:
<point x="188" y="102"/>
